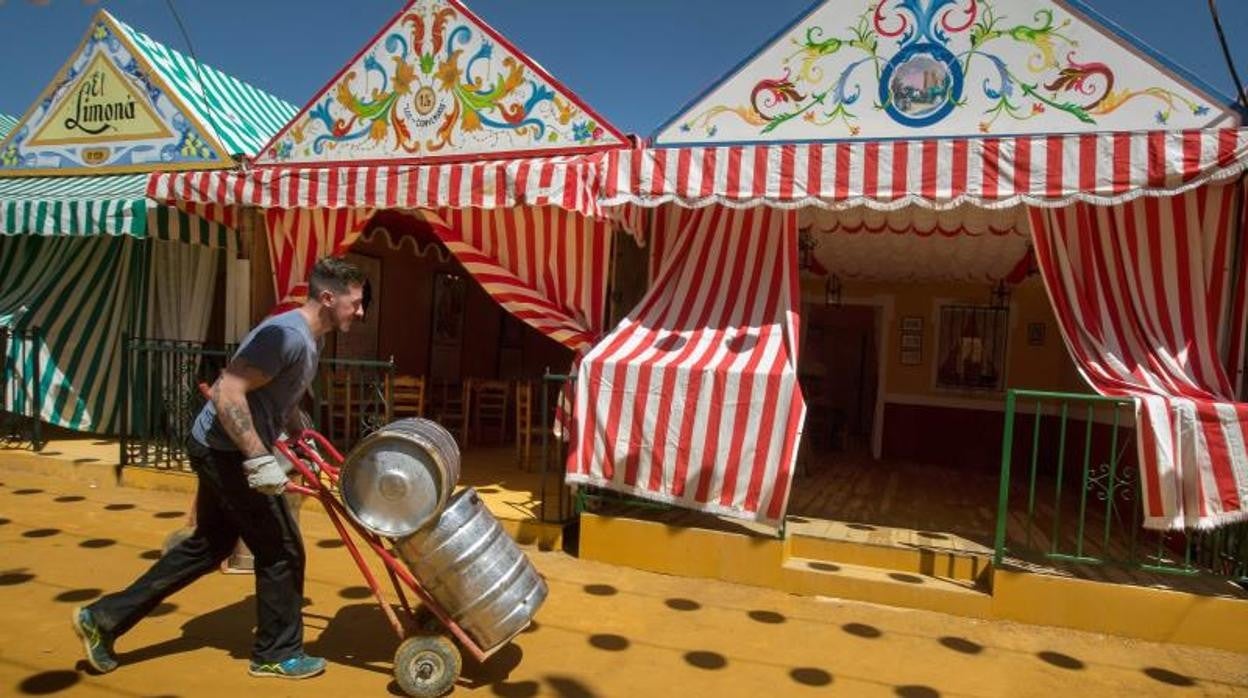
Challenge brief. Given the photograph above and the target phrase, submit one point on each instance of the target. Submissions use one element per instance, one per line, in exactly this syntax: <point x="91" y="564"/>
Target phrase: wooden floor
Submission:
<point x="849" y="496"/>
<point x="853" y="488"/>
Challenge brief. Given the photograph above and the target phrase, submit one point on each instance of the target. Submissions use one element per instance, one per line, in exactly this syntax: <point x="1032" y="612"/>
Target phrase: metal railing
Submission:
<point x="557" y="505"/>
<point x="161" y="396"/>
<point x="22" y="391"/>
<point x="1080" y="502"/>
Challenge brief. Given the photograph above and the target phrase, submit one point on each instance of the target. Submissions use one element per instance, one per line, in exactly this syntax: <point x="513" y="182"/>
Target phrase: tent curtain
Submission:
<point x="545" y="265"/>
<point x="82" y="294"/>
<point x="181" y="290"/>
<point x="300" y="236"/>
<point x="693" y="399"/>
<point x="1148" y="299"/>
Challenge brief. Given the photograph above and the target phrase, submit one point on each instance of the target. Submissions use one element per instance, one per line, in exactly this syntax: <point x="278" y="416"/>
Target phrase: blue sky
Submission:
<point x="635" y="61"/>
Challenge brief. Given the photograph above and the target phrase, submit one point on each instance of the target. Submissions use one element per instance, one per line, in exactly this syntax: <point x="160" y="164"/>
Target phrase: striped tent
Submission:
<point x="1183" y="373"/>
<point x="86" y="257"/>
<point x="502" y="178"/>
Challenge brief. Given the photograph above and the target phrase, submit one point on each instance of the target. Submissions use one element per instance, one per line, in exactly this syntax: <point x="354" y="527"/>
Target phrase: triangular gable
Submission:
<point x="880" y="69"/>
<point x="120" y="104"/>
<point x="439" y="84"/>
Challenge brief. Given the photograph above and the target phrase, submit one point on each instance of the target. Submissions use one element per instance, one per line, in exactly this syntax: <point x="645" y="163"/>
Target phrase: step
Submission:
<point x="912" y="559"/>
<point x="890" y="548"/>
<point x="874" y="585"/>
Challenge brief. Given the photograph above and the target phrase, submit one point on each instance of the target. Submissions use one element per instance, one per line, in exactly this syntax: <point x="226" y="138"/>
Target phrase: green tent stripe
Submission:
<point x="7" y="123"/>
<point x="90" y="206"/>
<point x="82" y="294"/>
<point x="243" y="118"/>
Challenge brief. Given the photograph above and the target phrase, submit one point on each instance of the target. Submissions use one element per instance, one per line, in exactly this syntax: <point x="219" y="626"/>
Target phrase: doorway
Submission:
<point x="838" y="370"/>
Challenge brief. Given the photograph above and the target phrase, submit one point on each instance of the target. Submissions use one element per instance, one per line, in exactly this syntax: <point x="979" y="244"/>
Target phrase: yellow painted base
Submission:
<point x="1157" y="615"/>
<point x="946" y="582"/>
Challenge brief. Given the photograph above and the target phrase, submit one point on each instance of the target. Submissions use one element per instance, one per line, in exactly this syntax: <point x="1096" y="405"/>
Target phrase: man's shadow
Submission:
<point x="358" y="636"/>
<point x="230" y="628"/>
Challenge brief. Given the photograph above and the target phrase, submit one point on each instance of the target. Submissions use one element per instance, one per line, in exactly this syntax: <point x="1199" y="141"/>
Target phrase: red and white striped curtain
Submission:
<point x="300" y="236"/>
<point x="694" y="398"/>
<point x="1150" y="299"/>
<point x="545" y="265"/>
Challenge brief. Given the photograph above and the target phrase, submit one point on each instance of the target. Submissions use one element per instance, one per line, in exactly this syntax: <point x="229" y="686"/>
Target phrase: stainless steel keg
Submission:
<point x="397" y="479"/>
<point x="475" y="571"/>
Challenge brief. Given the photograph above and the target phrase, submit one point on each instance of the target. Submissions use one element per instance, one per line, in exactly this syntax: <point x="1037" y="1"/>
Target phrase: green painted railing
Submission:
<point x="1070" y="493"/>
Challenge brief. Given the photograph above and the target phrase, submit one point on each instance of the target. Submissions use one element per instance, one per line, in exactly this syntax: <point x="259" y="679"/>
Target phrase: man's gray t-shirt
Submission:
<point x="283" y="348"/>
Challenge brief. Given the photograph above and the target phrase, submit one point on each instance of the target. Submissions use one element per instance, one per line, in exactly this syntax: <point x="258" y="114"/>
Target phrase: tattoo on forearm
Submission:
<point x="237" y="420"/>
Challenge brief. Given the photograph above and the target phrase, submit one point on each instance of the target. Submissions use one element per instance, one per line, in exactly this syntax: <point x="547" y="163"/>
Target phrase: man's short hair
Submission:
<point x="334" y="274"/>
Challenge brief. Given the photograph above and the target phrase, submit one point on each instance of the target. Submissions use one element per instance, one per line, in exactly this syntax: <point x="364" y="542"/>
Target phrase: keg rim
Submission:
<point x="419" y="440"/>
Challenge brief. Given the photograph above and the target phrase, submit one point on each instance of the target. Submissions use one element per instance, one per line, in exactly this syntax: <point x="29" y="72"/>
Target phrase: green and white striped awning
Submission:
<point x="244" y="118"/>
<point x="6" y="124"/>
<point x="101" y="205"/>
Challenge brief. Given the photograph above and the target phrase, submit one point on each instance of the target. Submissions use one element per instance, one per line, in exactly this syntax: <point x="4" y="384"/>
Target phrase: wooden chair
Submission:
<point x="339" y="407"/>
<point x="407" y="397"/>
<point x="489" y="401"/>
<point x="529" y="424"/>
<point x="452" y="408"/>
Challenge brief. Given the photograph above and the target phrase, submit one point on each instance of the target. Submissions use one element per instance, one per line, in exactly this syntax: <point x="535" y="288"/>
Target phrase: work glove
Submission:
<point x="265" y="475"/>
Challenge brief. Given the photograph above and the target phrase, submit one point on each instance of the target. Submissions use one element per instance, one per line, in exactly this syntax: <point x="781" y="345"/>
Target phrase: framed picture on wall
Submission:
<point x="449" y="292"/>
<point x="912" y="323"/>
<point x="447" y="326"/>
<point x="911" y="341"/>
<point x="911" y="357"/>
<point x="1035" y="334"/>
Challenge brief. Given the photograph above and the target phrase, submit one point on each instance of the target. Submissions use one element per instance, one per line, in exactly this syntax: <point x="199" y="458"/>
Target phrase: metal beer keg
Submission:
<point x="397" y="479"/>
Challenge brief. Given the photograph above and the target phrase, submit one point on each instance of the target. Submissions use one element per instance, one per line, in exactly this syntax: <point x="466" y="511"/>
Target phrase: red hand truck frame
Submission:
<point x="415" y="667"/>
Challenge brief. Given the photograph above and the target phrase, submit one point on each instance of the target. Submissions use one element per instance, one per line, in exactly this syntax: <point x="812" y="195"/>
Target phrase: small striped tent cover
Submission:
<point x="693" y="399"/>
<point x="6" y="124"/>
<point x="79" y="294"/>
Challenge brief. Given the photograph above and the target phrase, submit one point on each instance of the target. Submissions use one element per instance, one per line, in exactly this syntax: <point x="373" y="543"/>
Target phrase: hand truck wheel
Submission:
<point x="426" y="666"/>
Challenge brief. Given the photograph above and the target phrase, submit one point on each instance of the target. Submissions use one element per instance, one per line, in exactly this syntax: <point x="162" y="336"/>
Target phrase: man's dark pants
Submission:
<point x="225" y="510"/>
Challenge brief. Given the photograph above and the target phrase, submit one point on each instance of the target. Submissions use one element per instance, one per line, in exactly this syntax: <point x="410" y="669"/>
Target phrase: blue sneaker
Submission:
<point x="97" y="643"/>
<point x="300" y="666"/>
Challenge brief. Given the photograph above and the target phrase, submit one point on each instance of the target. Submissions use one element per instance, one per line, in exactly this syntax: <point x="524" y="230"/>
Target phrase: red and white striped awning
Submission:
<point x="568" y="182"/>
<point x="936" y="173"/>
